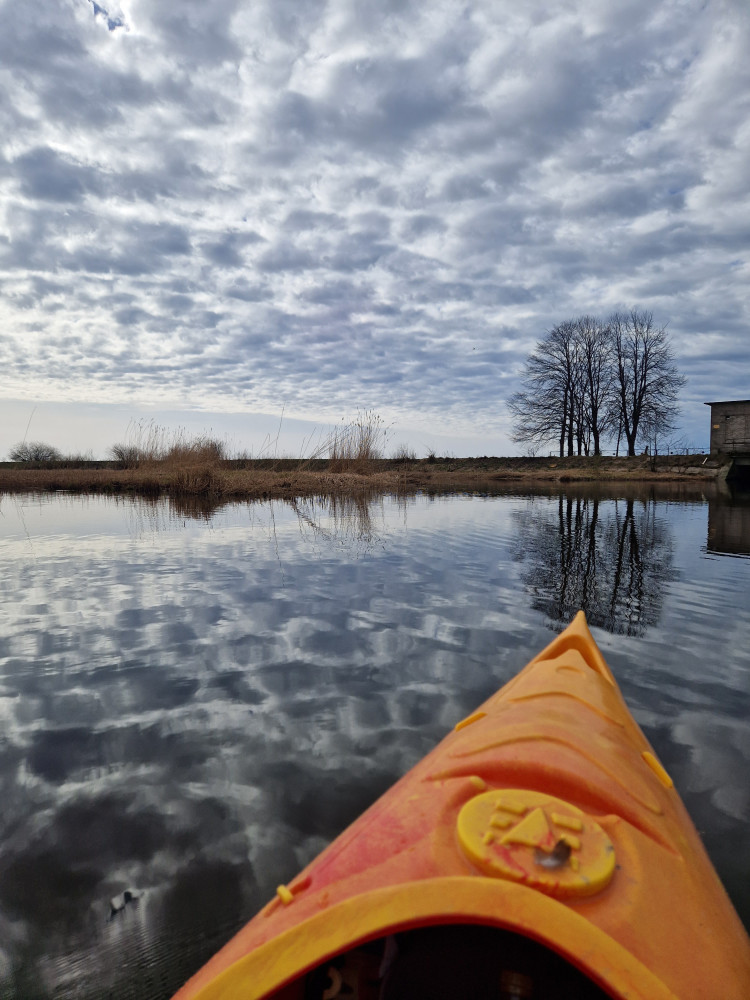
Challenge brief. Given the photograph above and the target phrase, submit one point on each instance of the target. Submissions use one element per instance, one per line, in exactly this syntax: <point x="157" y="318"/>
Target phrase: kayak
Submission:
<point x="540" y="851"/>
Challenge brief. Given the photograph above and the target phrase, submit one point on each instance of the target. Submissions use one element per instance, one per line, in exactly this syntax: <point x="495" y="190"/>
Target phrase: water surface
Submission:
<point x="192" y="703"/>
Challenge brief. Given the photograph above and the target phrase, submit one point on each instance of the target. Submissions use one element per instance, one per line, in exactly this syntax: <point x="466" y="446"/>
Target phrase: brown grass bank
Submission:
<point x="284" y="478"/>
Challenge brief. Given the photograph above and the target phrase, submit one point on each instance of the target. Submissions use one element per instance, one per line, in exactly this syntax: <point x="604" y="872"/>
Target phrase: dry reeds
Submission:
<point x="355" y="446"/>
<point x="404" y="455"/>
<point x="149" y="443"/>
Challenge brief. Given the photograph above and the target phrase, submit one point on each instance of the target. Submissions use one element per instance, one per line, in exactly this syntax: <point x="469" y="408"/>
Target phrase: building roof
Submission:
<point x="723" y="402"/>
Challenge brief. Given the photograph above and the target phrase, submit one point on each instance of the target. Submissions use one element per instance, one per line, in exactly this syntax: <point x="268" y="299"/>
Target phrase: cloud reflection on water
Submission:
<point x="199" y="701"/>
<point x="191" y="707"/>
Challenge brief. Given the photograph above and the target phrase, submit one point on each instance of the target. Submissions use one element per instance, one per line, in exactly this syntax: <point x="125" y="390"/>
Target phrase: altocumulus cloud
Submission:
<point x="337" y="204"/>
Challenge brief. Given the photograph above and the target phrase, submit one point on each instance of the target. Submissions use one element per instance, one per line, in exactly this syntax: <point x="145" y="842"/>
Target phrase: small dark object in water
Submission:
<point x="118" y="903"/>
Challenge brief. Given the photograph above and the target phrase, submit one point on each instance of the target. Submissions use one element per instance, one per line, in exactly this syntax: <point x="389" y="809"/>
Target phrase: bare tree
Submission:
<point x="567" y="383"/>
<point x="546" y="408"/>
<point x="646" y="379"/>
<point x="595" y="351"/>
<point x="537" y="418"/>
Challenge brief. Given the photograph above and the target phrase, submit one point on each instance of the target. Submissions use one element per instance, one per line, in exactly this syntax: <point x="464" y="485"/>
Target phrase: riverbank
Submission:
<point x="283" y="478"/>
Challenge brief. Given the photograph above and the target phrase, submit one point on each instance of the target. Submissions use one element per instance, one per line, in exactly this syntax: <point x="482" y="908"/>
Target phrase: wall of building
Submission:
<point x="730" y="427"/>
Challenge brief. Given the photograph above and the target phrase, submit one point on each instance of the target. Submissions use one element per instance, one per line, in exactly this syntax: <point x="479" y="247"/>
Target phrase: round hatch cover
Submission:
<point x="536" y="839"/>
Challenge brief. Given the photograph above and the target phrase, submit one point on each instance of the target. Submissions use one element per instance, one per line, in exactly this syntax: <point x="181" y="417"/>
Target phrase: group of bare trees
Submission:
<point x="591" y="380"/>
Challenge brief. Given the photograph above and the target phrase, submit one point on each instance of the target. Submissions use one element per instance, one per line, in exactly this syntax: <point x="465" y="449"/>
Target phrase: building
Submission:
<point x="730" y="427"/>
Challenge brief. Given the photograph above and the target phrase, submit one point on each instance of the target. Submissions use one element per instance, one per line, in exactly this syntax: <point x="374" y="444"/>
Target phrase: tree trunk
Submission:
<point x="570" y="435"/>
<point x="631" y="442"/>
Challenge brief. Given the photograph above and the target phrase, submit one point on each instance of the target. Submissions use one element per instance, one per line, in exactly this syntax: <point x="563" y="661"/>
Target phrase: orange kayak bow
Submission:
<point x="540" y="850"/>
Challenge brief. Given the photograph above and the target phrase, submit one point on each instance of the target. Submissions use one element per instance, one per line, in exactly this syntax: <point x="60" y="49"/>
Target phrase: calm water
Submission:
<point x="193" y="704"/>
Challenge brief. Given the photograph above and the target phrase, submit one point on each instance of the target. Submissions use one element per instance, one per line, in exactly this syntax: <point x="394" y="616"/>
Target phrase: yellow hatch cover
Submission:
<point x="537" y="839"/>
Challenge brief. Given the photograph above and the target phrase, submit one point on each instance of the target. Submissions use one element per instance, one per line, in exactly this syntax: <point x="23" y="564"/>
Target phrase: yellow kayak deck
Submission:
<point x="544" y="815"/>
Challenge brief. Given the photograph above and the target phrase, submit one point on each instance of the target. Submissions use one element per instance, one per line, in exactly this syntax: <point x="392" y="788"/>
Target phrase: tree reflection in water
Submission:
<point x="609" y="557"/>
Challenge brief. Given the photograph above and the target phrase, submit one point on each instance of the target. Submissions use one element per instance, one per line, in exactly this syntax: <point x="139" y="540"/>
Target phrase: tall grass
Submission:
<point x="148" y="443"/>
<point x="355" y="446"/>
<point x="404" y="455"/>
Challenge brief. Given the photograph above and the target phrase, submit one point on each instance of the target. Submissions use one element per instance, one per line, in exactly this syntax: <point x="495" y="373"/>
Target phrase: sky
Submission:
<point x="259" y="218"/>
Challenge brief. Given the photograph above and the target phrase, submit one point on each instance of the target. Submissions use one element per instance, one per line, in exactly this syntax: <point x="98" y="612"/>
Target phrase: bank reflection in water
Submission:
<point x="729" y="524"/>
<point x="609" y="557"/>
<point x="351" y="522"/>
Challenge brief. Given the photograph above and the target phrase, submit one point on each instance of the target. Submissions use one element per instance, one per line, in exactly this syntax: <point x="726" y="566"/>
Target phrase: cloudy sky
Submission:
<point x="211" y="213"/>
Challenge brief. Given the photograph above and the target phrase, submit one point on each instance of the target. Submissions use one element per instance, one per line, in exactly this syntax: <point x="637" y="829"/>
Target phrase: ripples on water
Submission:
<point x="193" y="703"/>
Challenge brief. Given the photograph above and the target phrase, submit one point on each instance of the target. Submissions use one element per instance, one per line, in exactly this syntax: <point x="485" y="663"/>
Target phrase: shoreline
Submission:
<point x="263" y="479"/>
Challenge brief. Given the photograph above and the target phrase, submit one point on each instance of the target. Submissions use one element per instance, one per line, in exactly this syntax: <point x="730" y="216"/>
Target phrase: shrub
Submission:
<point x="34" y="451"/>
<point x="127" y="456"/>
<point x="404" y="454"/>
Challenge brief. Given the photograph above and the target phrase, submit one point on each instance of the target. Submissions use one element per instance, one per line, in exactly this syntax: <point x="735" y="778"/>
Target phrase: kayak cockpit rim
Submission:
<point x="392" y="910"/>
